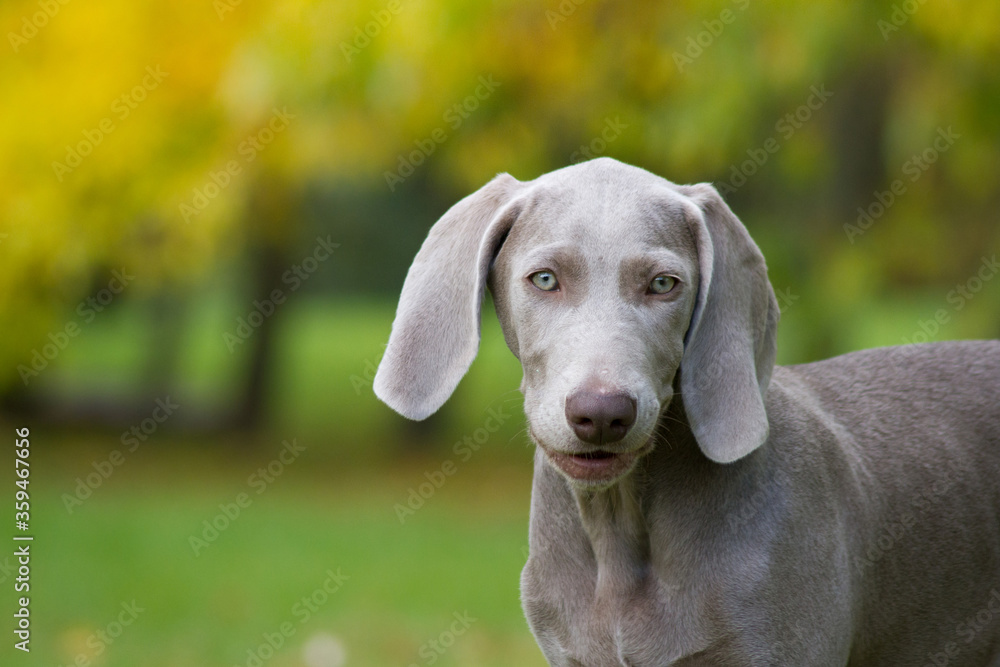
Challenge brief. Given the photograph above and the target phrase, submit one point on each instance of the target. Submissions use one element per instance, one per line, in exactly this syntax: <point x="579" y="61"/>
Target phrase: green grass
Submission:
<point x="461" y="552"/>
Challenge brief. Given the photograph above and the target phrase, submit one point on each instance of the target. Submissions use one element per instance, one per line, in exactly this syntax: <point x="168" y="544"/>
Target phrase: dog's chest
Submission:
<point x="583" y="625"/>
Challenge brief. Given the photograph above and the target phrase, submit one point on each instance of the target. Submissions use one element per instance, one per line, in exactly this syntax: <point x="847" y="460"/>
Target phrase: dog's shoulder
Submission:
<point x="929" y="388"/>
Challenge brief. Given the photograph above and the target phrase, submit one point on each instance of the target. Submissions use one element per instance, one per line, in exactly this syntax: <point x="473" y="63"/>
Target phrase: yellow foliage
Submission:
<point x="136" y="133"/>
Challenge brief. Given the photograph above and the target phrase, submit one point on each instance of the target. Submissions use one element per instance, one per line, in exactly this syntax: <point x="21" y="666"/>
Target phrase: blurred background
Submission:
<point x="206" y="213"/>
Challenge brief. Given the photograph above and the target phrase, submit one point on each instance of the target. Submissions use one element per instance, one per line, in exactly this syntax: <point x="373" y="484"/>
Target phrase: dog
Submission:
<point x="694" y="504"/>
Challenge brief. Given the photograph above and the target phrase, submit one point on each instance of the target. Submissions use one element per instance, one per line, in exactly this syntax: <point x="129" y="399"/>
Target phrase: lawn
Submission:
<point x="316" y="564"/>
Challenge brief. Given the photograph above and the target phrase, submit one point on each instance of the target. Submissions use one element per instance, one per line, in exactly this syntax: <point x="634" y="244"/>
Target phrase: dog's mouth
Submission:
<point x="595" y="467"/>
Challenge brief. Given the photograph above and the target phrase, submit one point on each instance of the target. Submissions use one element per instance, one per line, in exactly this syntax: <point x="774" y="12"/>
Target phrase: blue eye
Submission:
<point x="544" y="280"/>
<point x="662" y="284"/>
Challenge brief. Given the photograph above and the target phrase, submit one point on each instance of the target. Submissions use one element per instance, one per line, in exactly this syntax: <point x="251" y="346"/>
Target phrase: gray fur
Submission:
<point x="845" y="512"/>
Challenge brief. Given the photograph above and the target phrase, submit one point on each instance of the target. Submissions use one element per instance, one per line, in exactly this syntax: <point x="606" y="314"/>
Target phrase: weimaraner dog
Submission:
<point x="693" y="504"/>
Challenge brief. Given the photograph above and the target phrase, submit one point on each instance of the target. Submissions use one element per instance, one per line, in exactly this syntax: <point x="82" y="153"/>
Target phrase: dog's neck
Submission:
<point x="687" y="491"/>
<point x="616" y="527"/>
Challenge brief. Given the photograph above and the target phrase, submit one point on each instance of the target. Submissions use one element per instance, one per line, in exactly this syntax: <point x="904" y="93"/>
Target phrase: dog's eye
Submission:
<point x="544" y="280"/>
<point x="662" y="284"/>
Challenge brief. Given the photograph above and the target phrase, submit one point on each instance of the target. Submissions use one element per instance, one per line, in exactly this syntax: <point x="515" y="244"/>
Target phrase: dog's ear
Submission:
<point x="436" y="333"/>
<point x="730" y="344"/>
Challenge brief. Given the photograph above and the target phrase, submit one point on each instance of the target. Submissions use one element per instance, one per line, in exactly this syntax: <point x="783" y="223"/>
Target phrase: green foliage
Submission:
<point x="219" y="133"/>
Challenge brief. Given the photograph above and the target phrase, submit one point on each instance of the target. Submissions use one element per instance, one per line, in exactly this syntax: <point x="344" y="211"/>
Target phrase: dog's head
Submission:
<point x="616" y="290"/>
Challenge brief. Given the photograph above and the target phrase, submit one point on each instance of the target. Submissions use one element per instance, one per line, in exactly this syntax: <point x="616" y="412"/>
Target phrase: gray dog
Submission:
<point x="693" y="504"/>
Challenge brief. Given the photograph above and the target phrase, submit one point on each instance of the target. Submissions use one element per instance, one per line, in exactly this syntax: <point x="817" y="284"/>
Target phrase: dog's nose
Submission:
<point x="600" y="418"/>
